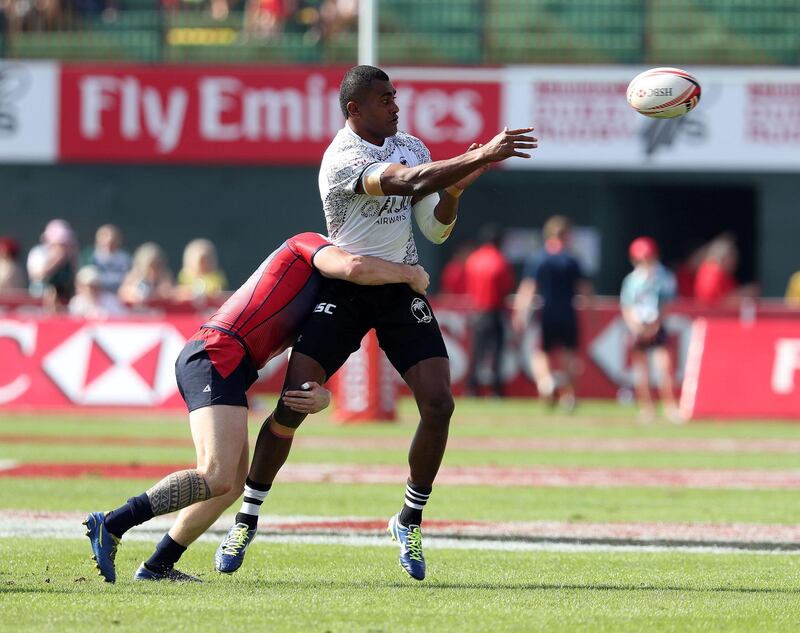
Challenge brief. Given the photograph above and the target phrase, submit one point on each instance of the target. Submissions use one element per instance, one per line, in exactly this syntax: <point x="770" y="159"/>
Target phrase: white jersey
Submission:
<point x="359" y="223"/>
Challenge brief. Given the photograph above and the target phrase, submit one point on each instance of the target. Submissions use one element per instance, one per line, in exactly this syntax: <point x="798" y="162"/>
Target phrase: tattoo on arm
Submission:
<point x="177" y="491"/>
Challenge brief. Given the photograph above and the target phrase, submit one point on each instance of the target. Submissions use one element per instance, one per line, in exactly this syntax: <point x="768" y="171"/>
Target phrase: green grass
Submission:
<point x="288" y="588"/>
<point x="49" y="585"/>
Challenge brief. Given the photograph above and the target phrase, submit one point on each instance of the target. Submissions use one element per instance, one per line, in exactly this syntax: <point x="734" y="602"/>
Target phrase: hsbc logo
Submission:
<point x="130" y="364"/>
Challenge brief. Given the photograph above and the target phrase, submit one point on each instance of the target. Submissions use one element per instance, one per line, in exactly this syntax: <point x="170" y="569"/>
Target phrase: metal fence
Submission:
<point x="411" y="31"/>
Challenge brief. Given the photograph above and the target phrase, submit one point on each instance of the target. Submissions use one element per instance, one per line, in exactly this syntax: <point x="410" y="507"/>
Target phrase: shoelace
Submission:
<point x="414" y="544"/>
<point x="235" y="540"/>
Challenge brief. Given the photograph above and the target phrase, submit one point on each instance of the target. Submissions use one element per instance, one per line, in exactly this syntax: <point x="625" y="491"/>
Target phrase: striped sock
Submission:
<point x="254" y="495"/>
<point x="416" y="498"/>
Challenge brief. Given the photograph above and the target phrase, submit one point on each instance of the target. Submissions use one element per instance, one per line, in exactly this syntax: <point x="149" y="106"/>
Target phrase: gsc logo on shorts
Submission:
<point x="421" y="311"/>
<point x="326" y="308"/>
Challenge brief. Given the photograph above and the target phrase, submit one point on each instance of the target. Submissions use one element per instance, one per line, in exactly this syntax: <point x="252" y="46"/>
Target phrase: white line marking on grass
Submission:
<point x="541" y="536"/>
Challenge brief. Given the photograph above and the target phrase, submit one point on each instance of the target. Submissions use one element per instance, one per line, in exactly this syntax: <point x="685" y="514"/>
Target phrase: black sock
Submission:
<point x="416" y="498"/>
<point x="137" y="510"/>
<point x="166" y="555"/>
<point x="254" y="495"/>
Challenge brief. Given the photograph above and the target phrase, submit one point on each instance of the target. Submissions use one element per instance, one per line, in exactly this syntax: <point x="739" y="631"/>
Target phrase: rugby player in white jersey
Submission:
<point x="373" y="179"/>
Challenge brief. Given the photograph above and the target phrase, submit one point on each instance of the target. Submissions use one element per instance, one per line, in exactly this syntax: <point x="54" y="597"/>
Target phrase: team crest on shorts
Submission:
<point x="421" y="311"/>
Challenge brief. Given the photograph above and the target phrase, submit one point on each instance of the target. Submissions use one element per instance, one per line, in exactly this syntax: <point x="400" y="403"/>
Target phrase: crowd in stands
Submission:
<point x="318" y="19"/>
<point x="103" y="280"/>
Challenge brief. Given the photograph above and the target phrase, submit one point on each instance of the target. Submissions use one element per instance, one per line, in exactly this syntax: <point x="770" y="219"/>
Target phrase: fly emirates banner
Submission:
<point x="748" y="118"/>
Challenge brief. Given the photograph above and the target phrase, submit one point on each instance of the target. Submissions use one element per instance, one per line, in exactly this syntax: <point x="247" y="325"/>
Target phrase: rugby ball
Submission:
<point x="663" y="93"/>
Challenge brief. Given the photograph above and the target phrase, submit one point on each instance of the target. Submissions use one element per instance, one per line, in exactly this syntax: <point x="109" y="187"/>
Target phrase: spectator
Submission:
<point x="92" y="300"/>
<point x="489" y="280"/>
<point x="52" y="265"/>
<point x="337" y="16"/>
<point x="265" y="18"/>
<point x="645" y="290"/>
<point x="793" y="290"/>
<point x="454" y="275"/>
<point x="715" y="283"/>
<point x="11" y="276"/>
<point x="149" y="278"/>
<point x="554" y="276"/>
<point x="200" y="275"/>
<point x="111" y="261"/>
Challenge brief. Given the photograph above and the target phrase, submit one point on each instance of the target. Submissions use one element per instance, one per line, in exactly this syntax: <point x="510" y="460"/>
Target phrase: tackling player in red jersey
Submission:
<point x="214" y="370"/>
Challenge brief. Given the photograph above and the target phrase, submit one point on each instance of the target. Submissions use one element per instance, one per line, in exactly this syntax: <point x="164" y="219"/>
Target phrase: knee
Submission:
<point x="221" y="481"/>
<point x="438" y="409"/>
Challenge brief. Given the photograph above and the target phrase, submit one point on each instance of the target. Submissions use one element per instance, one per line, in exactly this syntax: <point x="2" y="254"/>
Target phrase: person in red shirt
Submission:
<point x="214" y="371"/>
<point x="489" y="280"/>
<point x="454" y="274"/>
<point x="714" y="283"/>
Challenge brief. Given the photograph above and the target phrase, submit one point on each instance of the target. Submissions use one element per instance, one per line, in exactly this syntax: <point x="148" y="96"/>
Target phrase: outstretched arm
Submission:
<point x="365" y="270"/>
<point x="397" y="180"/>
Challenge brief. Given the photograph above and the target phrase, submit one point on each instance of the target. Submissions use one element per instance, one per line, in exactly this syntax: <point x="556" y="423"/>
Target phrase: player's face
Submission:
<point x="379" y="110"/>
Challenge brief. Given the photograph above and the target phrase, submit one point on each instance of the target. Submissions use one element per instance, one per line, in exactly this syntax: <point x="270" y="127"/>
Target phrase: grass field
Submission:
<point x="719" y="554"/>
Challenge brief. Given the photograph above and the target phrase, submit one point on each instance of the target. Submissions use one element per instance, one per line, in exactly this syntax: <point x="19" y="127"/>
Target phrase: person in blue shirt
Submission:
<point x="645" y="291"/>
<point x="550" y="281"/>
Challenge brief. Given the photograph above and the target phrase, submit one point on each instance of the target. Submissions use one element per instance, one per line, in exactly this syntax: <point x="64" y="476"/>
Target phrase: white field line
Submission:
<point x="544" y="536"/>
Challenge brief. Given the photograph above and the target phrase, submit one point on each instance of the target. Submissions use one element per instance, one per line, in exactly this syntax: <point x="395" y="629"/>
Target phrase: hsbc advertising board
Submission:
<point x="283" y="116"/>
<point x="737" y="370"/>
<point x="62" y="363"/>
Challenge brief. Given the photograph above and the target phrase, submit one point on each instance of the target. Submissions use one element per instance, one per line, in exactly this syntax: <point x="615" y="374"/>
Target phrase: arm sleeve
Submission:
<point x="306" y="245"/>
<point x="431" y="228"/>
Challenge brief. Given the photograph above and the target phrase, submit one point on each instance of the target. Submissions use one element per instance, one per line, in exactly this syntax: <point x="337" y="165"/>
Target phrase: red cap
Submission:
<point x="643" y="248"/>
<point x="10" y="246"/>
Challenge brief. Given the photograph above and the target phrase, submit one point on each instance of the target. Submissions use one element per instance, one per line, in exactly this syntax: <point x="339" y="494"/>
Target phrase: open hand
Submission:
<point x="313" y="398"/>
<point x="510" y="143"/>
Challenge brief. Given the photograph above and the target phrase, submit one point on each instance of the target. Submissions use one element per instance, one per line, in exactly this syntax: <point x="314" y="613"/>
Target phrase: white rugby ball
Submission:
<point x="663" y="93"/>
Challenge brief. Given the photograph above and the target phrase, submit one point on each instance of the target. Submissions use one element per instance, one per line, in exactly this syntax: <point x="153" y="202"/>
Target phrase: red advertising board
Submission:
<point x="61" y="363"/>
<point x="281" y="116"/>
<point x="738" y="370"/>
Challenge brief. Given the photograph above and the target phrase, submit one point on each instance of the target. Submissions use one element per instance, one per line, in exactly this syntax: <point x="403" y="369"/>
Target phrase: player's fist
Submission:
<point x="510" y="143"/>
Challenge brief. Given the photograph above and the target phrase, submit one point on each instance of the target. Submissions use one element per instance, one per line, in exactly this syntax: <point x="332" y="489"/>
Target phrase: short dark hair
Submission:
<point x="355" y="81"/>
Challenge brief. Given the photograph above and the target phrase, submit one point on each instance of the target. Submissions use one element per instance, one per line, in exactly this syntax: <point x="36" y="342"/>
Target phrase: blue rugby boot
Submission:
<point x="171" y="574"/>
<point x="230" y="553"/>
<point x="104" y="545"/>
<point x="410" y="540"/>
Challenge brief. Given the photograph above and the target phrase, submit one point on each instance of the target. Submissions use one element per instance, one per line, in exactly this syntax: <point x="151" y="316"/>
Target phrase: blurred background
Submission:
<point x="177" y="143"/>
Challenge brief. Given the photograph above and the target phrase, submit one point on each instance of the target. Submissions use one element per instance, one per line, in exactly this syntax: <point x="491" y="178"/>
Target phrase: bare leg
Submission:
<point x="641" y="381"/>
<point x="666" y="388"/>
<point x="543" y="374"/>
<point x="275" y="437"/>
<point x="571" y="365"/>
<point x="219" y="433"/>
<point x="429" y="380"/>
<point x="193" y="521"/>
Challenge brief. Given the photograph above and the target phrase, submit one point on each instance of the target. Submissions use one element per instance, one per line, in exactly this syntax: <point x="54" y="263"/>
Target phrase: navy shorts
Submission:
<point x="403" y="320"/>
<point x="660" y="339"/>
<point x="563" y="334"/>
<point x="214" y="368"/>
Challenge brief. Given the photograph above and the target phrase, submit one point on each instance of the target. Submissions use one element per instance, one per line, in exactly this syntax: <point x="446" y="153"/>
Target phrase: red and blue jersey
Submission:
<point x="264" y="314"/>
